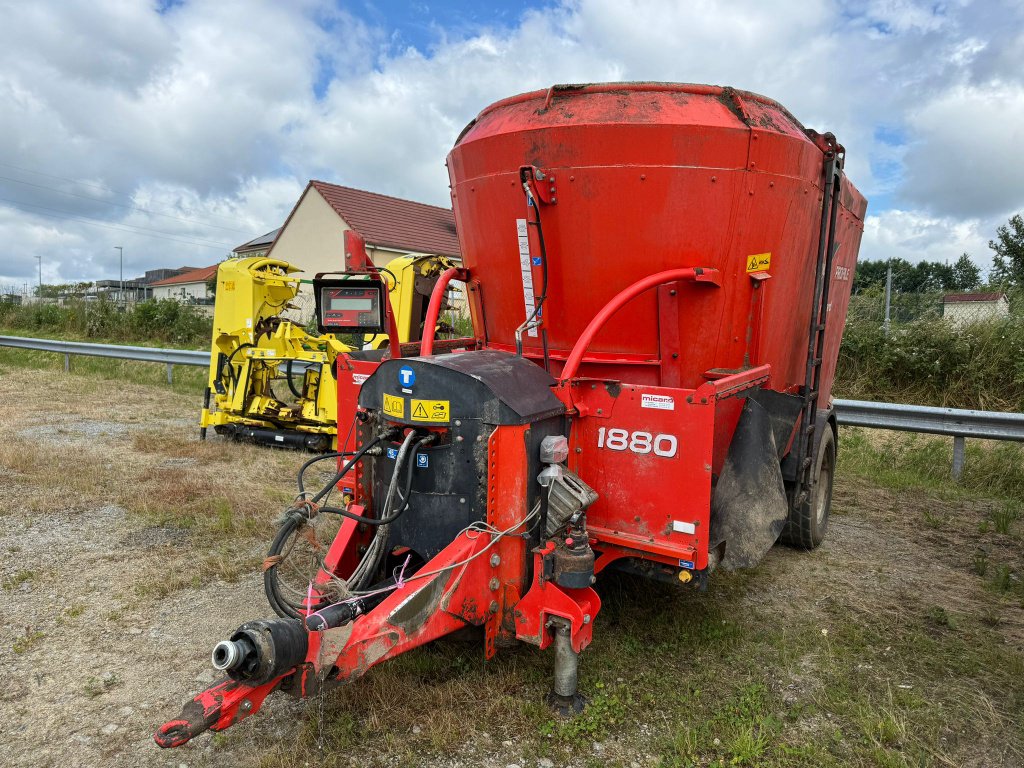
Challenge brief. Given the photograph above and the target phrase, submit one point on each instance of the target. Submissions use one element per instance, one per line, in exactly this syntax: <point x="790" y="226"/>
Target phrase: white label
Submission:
<point x="660" y="402"/>
<point x="522" y="232"/>
<point x="682" y="527"/>
<point x="279" y="438"/>
<point x="248" y="322"/>
<point x="359" y="378"/>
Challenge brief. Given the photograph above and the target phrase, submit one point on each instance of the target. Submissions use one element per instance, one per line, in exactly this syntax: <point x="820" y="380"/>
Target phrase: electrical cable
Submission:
<point x="142" y="231"/>
<point x="118" y="205"/>
<point x="531" y="202"/>
<point x="102" y="188"/>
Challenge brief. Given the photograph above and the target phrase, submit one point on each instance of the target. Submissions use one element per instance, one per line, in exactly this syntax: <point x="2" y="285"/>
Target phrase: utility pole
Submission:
<point x="888" y="296"/>
<point x="39" y="258"/>
<point x="120" y="295"/>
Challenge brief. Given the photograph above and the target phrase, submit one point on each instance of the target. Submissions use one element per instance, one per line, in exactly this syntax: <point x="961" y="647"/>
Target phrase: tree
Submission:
<point x="1008" y="262"/>
<point x="966" y="275"/>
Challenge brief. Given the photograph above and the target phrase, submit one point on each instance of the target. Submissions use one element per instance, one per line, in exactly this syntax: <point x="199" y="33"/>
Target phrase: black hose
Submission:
<point x="403" y="495"/>
<point x="340" y="473"/>
<point x="280" y="605"/>
<point x="288" y="375"/>
<point x="231" y="371"/>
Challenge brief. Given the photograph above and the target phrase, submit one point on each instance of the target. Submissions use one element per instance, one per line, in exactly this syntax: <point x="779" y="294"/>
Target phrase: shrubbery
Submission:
<point x="933" y="362"/>
<point x="163" y="321"/>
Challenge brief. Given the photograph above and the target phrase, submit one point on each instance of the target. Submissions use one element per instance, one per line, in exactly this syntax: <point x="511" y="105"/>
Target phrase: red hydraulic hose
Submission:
<point x="434" y="310"/>
<point x="624" y="296"/>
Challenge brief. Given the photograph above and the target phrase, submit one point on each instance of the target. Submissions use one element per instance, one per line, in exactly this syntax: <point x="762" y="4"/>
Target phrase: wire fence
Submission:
<point x="955" y="308"/>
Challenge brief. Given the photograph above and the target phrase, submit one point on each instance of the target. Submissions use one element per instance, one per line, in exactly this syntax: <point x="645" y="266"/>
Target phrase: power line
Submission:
<point x="120" y="205"/>
<point x="100" y="187"/>
<point x="134" y="231"/>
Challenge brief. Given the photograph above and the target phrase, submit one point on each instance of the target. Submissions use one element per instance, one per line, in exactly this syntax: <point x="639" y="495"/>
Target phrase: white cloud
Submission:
<point x="914" y="236"/>
<point x="210" y="112"/>
<point x="965" y="158"/>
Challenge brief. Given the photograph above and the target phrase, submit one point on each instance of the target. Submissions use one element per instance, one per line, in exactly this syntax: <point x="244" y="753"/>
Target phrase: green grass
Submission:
<point x="679" y="679"/>
<point x="27" y="641"/>
<point x="186" y="379"/>
<point x="992" y="470"/>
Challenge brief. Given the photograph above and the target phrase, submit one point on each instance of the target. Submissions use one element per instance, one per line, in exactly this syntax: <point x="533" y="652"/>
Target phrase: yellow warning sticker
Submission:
<point x="229" y="285"/>
<point x="394" y="406"/>
<point x="759" y="262"/>
<point x="430" y="410"/>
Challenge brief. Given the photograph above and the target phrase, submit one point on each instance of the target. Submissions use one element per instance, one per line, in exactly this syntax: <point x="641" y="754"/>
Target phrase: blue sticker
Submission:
<point x="392" y="453"/>
<point x="422" y="460"/>
<point x="406" y="376"/>
<point x="686" y="564"/>
<point x="536" y="261"/>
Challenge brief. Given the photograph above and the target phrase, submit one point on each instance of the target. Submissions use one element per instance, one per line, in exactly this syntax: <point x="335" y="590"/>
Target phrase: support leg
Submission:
<point x="564" y="697"/>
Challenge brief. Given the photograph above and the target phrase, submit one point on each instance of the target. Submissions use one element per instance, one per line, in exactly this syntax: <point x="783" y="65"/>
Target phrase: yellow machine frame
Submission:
<point x="254" y="347"/>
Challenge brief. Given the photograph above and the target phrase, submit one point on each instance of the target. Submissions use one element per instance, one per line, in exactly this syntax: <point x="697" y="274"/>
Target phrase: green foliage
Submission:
<point x="49" y="291"/>
<point x="925" y="276"/>
<point x="1008" y="261"/>
<point x="933" y="362"/>
<point x="161" y="321"/>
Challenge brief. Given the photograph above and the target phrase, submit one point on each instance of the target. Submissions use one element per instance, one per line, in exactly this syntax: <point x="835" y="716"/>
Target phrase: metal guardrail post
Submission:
<point x="959" y="456"/>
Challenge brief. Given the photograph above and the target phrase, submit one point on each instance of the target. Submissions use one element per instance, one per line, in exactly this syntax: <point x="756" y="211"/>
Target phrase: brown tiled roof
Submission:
<point x="953" y="298"/>
<point x="390" y="221"/>
<point x="200" y="275"/>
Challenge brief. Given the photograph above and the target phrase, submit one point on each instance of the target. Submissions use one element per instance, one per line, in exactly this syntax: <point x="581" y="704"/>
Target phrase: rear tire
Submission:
<point x="808" y="524"/>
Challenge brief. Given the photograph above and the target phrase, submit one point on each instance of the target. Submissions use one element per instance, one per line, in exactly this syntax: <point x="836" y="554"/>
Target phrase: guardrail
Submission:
<point x="955" y="422"/>
<point x="958" y="423"/>
<point x="170" y="357"/>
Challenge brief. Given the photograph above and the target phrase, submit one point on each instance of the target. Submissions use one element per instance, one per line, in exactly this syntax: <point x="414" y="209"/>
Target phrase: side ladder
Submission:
<point x="831" y="186"/>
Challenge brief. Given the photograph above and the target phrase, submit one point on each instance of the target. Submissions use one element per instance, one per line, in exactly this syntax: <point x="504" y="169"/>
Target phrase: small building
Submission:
<point x="120" y="292"/>
<point x="312" y="237"/>
<point x="965" y="308"/>
<point x="191" y="287"/>
<point x="258" y="246"/>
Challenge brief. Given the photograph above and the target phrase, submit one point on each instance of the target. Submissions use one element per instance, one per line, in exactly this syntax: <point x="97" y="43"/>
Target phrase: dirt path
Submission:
<point x="129" y="548"/>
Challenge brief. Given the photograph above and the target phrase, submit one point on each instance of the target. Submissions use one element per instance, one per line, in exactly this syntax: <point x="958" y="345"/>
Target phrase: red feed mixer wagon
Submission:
<point x="658" y="277"/>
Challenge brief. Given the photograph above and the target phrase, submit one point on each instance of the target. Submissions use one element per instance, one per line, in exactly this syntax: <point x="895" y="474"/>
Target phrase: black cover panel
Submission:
<point x="496" y="387"/>
<point x="749" y="507"/>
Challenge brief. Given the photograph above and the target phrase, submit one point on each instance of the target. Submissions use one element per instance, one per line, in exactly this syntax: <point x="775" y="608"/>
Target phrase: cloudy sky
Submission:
<point x="178" y="129"/>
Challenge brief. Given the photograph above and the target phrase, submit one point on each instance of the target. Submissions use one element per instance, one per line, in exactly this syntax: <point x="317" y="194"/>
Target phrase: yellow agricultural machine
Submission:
<point x="271" y="380"/>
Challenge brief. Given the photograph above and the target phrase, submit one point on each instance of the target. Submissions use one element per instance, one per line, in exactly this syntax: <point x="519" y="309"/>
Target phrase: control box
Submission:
<point x="349" y="305"/>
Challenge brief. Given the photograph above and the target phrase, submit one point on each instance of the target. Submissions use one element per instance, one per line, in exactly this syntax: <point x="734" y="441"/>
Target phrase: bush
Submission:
<point x="163" y="321"/>
<point x="933" y="362"/>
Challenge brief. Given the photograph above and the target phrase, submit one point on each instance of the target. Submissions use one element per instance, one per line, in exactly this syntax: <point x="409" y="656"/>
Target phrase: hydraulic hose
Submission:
<point x="434" y="310"/>
<point x="364" y="571"/>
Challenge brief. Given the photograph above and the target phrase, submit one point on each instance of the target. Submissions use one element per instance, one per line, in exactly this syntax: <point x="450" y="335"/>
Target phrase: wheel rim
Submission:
<point x="823" y="486"/>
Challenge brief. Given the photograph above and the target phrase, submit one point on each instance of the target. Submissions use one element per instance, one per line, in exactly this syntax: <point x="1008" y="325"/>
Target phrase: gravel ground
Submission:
<point x="94" y="659"/>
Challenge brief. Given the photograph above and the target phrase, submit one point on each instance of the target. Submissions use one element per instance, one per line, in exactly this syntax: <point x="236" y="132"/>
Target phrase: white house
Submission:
<point x="313" y="236"/>
<point x="190" y="287"/>
<point x="964" y="308"/>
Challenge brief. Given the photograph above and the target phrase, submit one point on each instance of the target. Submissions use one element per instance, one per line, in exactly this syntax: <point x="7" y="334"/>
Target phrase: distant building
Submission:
<point x="964" y="308"/>
<point x="258" y="246"/>
<point x="312" y="238"/>
<point x="114" y="290"/>
<point x="191" y="287"/>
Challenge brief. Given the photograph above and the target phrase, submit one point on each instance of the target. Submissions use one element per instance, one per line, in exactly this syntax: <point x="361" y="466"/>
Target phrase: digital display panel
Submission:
<point x="352" y="305"/>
